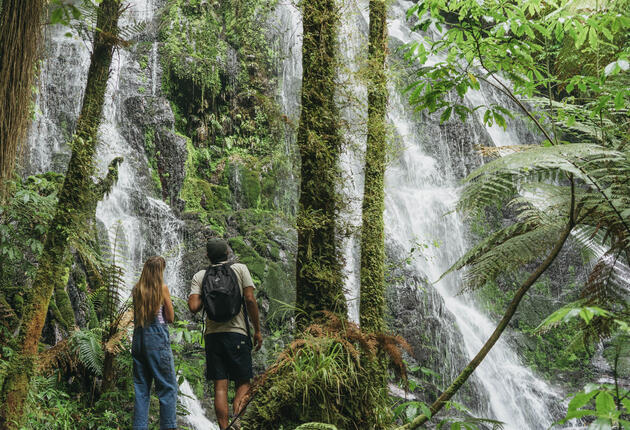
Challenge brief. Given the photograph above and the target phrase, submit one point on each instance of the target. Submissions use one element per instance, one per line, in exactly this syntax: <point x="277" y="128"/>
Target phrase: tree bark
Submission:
<point x="75" y="201"/>
<point x="319" y="280"/>
<point x="372" y="299"/>
<point x="509" y="313"/>
<point x="20" y="40"/>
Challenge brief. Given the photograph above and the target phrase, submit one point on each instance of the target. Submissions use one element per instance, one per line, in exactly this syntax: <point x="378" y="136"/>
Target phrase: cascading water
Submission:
<point x="516" y="396"/>
<point x="420" y="189"/>
<point x="136" y="224"/>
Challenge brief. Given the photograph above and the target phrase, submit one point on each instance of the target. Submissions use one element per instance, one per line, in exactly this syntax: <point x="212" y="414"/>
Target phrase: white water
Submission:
<point x="352" y="99"/>
<point x="420" y="190"/>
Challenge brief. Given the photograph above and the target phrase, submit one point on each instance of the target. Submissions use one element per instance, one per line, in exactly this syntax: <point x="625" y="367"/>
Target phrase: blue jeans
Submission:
<point x="153" y="360"/>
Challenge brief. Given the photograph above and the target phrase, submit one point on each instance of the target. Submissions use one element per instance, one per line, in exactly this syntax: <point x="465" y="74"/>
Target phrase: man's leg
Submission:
<point x="221" y="402"/>
<point x="242" y="387"/>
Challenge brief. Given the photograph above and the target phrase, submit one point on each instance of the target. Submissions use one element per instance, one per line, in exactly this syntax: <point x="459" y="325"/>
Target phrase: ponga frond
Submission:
<point x="88" y="347"/>
<point x="500" y="179"/>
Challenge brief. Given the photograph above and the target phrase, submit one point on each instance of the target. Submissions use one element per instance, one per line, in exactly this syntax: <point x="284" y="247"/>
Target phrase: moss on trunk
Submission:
<point x="319" y="279"/>
<point x="372" y="301"/>
<point x="75" y="202"/>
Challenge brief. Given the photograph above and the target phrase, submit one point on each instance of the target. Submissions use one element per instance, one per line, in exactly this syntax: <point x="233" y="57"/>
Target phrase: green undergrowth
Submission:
<point x="24" y="220"/>
<point x="219" y="77"/>
<point x="324" y="377"/>
<point x="68" y="395"/>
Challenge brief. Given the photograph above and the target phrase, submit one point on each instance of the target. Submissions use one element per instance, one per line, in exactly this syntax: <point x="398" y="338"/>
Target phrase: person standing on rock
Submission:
<point x="225" y="292"/>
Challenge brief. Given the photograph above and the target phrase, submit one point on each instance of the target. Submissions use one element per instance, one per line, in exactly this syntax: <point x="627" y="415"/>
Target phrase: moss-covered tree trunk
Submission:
<point x="319" y="279"/>
<point x="372" y="302"/>
<point x="20" y="39"/>
<point x="76" y="199"/>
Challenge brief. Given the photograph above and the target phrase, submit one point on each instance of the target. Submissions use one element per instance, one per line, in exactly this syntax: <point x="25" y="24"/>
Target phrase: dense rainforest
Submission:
<point x="431" y="196"/>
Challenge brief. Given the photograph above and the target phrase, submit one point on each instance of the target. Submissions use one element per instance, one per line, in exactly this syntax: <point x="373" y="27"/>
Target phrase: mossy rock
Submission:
<point x="248" y="256"/>
<point x="244" y="183"/>
<point x="201" y="195"/>
<point x="272" y="279"/>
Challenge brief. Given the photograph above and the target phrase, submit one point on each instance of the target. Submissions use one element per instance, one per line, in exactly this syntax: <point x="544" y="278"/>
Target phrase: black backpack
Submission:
<point x="220" y="293"/>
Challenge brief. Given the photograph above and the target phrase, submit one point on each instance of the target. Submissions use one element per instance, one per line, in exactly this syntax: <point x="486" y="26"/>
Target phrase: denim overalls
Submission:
<point x="153" y="360"/>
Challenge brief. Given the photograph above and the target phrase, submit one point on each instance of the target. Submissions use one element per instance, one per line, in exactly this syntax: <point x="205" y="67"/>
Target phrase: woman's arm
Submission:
<point x="169" y="312"/>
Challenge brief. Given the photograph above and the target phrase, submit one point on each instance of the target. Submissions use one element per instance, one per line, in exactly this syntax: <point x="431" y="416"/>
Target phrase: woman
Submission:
<point x="151" y="347"/>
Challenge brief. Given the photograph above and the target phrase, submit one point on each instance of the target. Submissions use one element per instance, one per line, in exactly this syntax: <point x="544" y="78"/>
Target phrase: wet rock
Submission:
<point x="149" y="123"/>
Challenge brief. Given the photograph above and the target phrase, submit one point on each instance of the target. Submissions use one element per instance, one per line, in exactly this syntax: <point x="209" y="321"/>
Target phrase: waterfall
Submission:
<point x="133" y="217"/>
<point x="420" y="195"/>
<point x="420" y="189"/>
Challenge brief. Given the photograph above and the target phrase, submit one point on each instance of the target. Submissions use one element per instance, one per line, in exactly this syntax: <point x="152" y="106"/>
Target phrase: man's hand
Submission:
<point x="257" y="341"/>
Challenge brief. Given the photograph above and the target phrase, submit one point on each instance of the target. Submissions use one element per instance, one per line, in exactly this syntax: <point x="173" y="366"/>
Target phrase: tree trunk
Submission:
<point x="319" y="279"/>
<point x="75" y="201"/>
<point x="509" y="313"/>
<point x="20" y="40"/>
<point x="372" y="304"/>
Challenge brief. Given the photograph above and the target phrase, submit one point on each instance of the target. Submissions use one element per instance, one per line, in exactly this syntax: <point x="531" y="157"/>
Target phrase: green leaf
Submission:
<point x="593" y="40"/>
<point x="604" y="403"/>
<point x="581" y="37"/>
<point x="425" y="409"/>
<point x="580" y="399"/>
<point x="446" y="115"/>
<point x="619" y="100"/>
<point x="56" y="16"/>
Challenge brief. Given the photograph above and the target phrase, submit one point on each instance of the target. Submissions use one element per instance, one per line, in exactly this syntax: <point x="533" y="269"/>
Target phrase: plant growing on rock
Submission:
<point x="322" y="377"/>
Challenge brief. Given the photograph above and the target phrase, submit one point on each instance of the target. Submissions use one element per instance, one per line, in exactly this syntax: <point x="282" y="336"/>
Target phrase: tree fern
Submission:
<point x="499" y="180"/>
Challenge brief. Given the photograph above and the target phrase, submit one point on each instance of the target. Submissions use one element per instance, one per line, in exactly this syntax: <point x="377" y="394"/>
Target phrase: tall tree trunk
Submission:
<point x="76" y="199"/>
<point x="20" y="40"/>
<point x="509" y="313"/>
<point x="372" y="304"/>
<point x="319" y="279"/>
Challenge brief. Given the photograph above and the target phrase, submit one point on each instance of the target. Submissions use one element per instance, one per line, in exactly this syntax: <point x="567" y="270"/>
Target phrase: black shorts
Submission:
<point x="228" y="356"/>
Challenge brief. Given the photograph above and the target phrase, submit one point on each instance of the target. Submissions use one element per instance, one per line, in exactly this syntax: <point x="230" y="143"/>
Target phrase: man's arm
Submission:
<point x="194" y="303"/>
<point x="252" y="312"/>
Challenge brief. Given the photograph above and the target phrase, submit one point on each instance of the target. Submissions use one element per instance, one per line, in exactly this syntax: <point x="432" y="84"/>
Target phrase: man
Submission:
<point x="228" y="346"/>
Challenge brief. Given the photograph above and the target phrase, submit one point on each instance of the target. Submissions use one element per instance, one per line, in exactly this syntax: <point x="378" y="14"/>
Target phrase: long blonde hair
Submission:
<point x="147" y="293"/>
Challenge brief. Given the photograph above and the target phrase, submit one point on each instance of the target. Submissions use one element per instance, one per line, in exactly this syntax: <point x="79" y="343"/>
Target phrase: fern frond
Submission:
<point x="500" y="179"/>
<point x="89" y="349"/>
<point x="488" y="244"/>
<point x="607" y="281"/>
<point x="512" y="253"/>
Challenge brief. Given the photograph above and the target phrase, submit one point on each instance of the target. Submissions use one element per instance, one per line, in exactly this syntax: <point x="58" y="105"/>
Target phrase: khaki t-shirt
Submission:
<point x="236" y="324"/>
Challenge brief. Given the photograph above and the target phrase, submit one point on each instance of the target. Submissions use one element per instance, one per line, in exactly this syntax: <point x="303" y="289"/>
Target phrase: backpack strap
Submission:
<point x="249" y="334"/>
<point x="246" y="317"/>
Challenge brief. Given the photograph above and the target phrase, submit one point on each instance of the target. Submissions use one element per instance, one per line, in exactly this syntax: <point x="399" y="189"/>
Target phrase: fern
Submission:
<point x="87" y="345"/>
<point x="500" y="179"/>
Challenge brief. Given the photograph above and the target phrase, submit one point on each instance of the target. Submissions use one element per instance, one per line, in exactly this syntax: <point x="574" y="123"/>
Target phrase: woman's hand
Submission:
<point x="169" y="312"/>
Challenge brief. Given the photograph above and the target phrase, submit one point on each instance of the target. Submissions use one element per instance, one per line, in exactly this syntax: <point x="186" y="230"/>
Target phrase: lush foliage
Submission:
<point x="324" y="376"/>
<point x="561" y="67"/>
